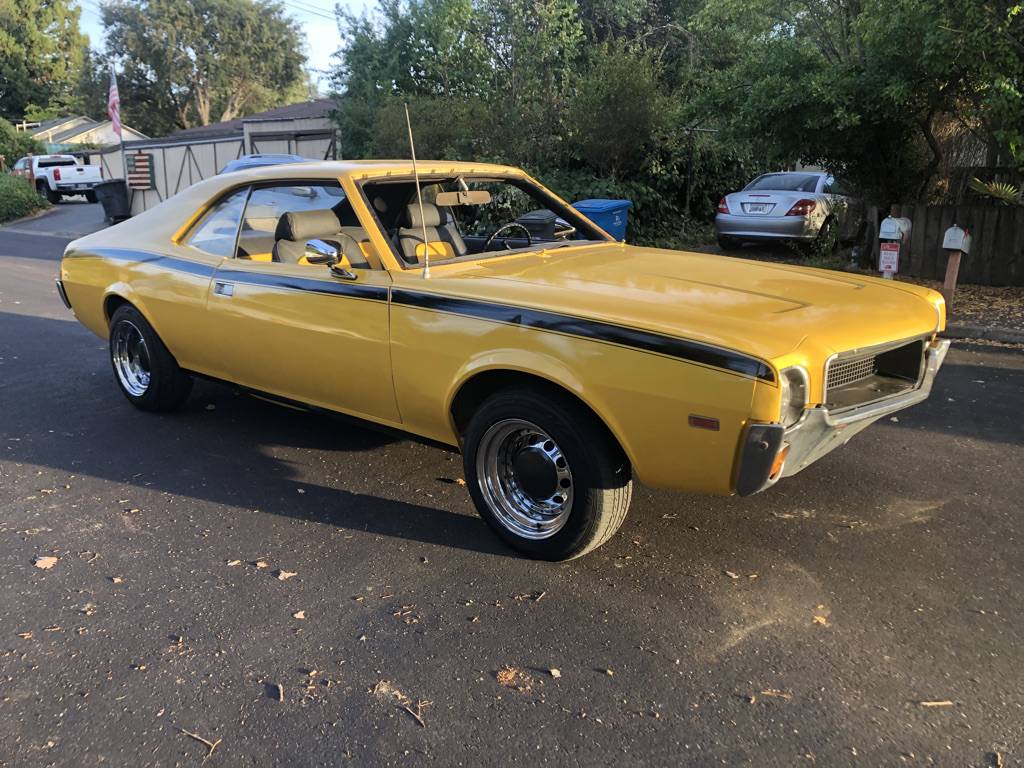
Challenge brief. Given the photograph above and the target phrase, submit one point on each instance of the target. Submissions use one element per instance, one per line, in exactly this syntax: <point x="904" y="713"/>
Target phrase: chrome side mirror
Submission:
<point x="321" y="252"/>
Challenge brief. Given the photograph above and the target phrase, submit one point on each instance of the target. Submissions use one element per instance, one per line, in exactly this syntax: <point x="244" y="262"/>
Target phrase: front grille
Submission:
<point x="856" y="378"/>
<point x="850" y="370"/>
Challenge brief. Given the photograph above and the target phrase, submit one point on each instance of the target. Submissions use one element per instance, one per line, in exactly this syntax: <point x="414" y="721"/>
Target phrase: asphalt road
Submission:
<point x="809" y="625"/>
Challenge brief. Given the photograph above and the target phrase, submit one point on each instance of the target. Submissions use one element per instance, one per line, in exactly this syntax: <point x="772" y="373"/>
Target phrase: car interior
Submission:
<point x="471" y="217"/>
<point x="301" y="222"/>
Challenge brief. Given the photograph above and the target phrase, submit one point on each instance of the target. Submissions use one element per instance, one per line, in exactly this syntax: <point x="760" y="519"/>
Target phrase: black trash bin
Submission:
<point x="113" y="196"/>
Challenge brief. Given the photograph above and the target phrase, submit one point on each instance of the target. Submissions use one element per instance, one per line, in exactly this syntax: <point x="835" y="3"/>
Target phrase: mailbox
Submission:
<point x="893" y="240"/>
<point x="957" y="239"/>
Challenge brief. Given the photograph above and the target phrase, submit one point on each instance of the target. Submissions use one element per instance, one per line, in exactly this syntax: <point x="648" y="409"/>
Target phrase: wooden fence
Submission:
<point x="997" y="248"/>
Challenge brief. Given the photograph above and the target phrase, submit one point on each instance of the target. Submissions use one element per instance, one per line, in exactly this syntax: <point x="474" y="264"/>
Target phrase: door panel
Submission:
<point x="298" y="332"/>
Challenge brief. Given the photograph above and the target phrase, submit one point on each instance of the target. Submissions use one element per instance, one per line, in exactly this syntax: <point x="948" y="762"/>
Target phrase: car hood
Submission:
<point x="763" y="309"/>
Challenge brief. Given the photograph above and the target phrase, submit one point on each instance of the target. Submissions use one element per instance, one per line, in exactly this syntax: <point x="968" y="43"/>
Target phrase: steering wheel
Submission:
<point x="499" y="230"/>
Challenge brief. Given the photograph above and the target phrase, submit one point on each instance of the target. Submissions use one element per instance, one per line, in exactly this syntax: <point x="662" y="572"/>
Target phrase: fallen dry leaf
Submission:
<point x="513" y="677"/>
<point x="234" y="562"/>
<point x="941" y="703"/>
<point x="299" y="615"/>
<point x="777" y="694"/>
<point x="285" y="575"/>
<point x="45" y="562"/>
<point x="459" y="481"/>
<point x="117" y="579"/>
<point x="261" y="564"/>
<point x="732" y="575"/>
<point x="25" y="635"/>
<point x="555" y="672"/>
<point x="609" y="672"/>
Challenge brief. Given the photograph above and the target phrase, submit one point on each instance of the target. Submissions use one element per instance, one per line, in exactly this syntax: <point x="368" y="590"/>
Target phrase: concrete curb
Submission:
<point x="988" y="333"/>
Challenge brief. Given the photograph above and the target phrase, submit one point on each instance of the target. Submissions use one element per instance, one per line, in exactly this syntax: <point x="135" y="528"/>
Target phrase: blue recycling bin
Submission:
<point x="609" y="215"/>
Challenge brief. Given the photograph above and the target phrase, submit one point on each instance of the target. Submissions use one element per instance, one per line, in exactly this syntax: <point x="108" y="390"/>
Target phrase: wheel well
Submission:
<point x="474" y="391"/>
<point x="111" y="304"/>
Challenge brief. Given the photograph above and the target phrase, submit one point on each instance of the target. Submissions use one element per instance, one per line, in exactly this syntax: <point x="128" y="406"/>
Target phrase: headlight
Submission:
<point x="794" y="395"/>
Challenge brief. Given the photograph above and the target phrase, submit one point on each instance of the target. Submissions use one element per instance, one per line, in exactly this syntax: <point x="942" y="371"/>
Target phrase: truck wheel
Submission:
<point x="545" y="474"/>
<point x="145" y="370"/>
<point x="90" y="196"/>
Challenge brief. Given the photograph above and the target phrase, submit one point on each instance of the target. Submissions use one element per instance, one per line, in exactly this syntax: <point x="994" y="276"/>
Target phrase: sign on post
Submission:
<point x="889" y="258"/>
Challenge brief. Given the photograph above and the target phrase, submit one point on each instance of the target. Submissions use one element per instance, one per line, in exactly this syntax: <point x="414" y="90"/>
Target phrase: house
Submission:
<point x="66" y="134"/>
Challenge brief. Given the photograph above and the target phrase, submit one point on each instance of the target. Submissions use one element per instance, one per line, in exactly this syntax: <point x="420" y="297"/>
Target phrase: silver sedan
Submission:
<point x="801" y="207"/>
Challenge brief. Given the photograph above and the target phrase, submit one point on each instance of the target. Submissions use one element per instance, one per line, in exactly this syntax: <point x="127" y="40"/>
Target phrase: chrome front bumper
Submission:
<point x="820" y="431"/>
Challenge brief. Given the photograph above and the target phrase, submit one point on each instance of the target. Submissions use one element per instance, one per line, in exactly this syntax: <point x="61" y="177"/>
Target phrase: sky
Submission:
<point x="315" y="16"/>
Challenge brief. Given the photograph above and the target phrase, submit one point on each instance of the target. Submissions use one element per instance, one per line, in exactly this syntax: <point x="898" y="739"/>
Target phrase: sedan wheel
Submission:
<point x="130" y="357"/>
<point x="146" y="372"/>
<point x="545" y="473"/>
<point x="525" y="478"/>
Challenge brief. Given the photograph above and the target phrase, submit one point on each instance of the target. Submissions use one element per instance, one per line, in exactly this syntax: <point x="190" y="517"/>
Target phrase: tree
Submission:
<point x="41" y="50"/>
<point x="862" y="86"/>
<point x="199" y="62"/>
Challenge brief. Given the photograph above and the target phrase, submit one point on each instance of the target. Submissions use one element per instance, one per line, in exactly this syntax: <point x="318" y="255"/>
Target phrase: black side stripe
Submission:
<point x="167" y="262"/>
<point x="331" y="287"/>
<point x="670" y="346"/>
<point x="683" y="349"/>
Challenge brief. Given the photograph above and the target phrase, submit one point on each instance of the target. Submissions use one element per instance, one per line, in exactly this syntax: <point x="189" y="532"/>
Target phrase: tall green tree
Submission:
<point x="41" y="52"/>
<point x="187" y="64"/>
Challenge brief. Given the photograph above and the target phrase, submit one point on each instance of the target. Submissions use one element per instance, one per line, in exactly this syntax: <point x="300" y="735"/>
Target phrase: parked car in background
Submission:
<point x="800" y="207"/>
<point x="258" y="161"/>
<point x="55" y="176"/>
<point x="561" y="362"/>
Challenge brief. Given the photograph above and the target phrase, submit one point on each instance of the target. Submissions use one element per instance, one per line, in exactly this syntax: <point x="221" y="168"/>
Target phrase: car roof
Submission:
<point x="368" y="168"/>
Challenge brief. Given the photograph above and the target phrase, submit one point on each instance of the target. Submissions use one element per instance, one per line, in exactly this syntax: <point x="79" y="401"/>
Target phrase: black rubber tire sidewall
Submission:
<point x="597" y="464"/>
<point x="169" y="386"/>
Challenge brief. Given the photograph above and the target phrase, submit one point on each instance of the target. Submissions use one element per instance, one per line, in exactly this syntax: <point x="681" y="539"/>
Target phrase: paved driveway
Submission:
<point x="868" y="611"/>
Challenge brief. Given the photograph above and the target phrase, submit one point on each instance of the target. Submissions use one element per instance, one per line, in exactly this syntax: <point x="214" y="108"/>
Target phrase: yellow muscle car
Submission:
<point x="562" y="363"/>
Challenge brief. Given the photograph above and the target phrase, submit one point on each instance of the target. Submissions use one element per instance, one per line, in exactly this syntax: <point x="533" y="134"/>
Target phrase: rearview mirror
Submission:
<point x="463" y="197"/>
<point x="321" y="252"/>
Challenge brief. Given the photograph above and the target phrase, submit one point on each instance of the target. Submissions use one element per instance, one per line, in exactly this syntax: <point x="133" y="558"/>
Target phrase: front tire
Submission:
<point x="146" y="372"/>
<point x="545" y="474"/>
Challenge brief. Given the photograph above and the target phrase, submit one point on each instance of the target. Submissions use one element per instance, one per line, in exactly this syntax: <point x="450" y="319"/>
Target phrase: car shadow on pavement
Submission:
<point x="222" y="447"/>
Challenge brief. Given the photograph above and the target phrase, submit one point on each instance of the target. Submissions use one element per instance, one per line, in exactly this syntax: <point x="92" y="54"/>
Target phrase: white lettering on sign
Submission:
<point x="889" y="257"/>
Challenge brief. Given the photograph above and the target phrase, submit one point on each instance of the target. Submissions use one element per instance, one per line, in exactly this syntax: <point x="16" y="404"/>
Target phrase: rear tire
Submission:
<point x="727" y="243"/>
<point x="145" y="371"/>
<point x="545" y="474"/>
<point x="90" y="196"/>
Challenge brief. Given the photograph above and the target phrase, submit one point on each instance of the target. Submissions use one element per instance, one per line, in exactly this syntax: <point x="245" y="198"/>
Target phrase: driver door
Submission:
<point x="297" y="330"/>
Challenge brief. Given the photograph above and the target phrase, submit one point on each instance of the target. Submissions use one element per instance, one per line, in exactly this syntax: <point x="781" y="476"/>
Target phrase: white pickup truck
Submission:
<point x="54" y="176"/>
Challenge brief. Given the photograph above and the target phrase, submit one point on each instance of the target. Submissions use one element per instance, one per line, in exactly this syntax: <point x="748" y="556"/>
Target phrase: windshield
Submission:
<point x="785" y="182"/>
<point x="470" y="217"/>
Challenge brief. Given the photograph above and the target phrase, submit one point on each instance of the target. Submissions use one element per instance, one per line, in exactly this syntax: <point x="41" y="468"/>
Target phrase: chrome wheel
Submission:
<point x="524" y="478"/>
<point x="131" y="358"/>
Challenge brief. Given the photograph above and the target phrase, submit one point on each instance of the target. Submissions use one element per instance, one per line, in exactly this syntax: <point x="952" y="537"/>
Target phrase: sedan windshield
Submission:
<point x="784" y="182"/>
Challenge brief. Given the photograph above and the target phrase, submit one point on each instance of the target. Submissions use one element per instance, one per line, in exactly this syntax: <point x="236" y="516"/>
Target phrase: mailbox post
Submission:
<point x="893" y="239"/>
<point x="956" y="243"/>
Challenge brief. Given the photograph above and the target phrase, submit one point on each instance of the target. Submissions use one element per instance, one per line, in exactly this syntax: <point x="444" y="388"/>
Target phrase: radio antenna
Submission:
<point x="419" y="197"/>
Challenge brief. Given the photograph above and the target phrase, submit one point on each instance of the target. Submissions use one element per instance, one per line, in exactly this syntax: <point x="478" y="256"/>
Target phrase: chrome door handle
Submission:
<point x="223" y="289"/>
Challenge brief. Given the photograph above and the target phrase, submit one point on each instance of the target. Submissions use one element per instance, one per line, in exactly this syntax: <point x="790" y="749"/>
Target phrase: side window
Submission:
<point x="21" y="165"/>
<point x="322" y="212"/>
<point x="216" y="233"/>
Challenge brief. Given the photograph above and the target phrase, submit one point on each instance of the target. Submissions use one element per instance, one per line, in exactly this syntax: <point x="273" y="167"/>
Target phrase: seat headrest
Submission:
<point x="431" y="216"/>
<point x="305" y="225"/>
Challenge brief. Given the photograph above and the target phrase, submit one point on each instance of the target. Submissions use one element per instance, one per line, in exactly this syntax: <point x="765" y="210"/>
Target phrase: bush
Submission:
<point x="15" y="144"/>
<point x="17" y="198"/>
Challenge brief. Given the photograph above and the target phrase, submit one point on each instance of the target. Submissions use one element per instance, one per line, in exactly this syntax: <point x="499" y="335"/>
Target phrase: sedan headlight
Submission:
<point x="794" y="395"/>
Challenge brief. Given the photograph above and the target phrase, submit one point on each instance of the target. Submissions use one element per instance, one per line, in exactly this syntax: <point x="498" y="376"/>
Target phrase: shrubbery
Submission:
<point x="17" y="198"/>
<point x="14" y="144"/>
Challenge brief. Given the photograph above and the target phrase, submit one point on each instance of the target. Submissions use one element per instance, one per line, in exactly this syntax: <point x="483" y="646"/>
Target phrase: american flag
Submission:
<point x="114" y="104"/>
